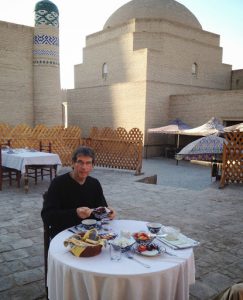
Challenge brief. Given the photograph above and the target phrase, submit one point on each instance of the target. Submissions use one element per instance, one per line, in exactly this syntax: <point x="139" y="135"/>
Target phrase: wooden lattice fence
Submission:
<point x="63" y="140"/>
<point x="232" y="166"/>
<point x="117" y="148"/>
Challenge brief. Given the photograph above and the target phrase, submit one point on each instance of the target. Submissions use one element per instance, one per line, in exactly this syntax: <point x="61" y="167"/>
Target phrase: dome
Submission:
<point x="46" y="13"/>
<point x="153" y="9"/>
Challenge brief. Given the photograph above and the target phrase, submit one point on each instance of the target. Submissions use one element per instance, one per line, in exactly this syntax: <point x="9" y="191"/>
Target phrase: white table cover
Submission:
<point x="99" y="278"/>
<point x="22" y="157"/>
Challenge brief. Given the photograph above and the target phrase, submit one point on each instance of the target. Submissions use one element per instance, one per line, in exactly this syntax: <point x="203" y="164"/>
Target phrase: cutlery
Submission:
<point x="174" y="247"/>
<point x="169" y="253"/>
<point x="70" y="230"/>
<point x="130" y="256"/>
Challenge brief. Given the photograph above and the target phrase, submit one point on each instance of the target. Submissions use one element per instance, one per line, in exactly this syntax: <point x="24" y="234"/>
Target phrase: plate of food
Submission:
<point x="143" y="238"/>
<point x="149" y="250"/>
<point x="108" y="235"/>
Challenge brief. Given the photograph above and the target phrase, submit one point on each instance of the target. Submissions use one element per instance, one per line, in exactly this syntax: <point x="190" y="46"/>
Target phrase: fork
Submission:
<point x="130" y="256"/>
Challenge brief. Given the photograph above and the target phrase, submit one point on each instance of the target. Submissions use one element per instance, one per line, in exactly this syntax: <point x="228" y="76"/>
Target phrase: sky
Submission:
<point x="79" y="18"/>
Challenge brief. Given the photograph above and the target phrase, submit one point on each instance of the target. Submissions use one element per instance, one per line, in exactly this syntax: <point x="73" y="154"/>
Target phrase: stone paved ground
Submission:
<point x="184" y="197"/>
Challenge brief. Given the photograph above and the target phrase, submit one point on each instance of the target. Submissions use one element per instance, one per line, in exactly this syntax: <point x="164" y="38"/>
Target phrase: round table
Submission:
<point x="99" y="278"/>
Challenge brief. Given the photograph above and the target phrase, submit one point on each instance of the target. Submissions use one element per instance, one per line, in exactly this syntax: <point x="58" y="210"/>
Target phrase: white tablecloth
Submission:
<point x="99" y="278"/>
<point x="22" y="157"/>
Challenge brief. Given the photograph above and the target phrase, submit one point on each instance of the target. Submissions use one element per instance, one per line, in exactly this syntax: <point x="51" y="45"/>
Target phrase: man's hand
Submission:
<point x="112" y="214"/>
<point x="83" y="212"/>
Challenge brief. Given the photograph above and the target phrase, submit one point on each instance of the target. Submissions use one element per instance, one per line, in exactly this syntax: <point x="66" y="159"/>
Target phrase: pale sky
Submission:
<point x="79" y="18"/>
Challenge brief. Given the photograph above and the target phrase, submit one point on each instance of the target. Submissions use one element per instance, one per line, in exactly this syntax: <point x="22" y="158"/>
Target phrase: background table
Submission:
<point x="20" y="158"/>
<point x="98" y="277"/>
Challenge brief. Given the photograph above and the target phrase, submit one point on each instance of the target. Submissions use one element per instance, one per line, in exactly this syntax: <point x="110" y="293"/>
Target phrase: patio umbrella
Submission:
<point x="234" y="127"/>
<point x="213" y="126"/>
<point x="204" y="148"/>
<point x="174" y="127"/>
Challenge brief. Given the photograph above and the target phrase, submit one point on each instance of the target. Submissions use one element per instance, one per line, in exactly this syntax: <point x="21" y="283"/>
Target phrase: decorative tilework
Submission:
<point x="46" y="62"/>
<point x="45" y="53"/>
<point x="46" y="40"/>
<point x="46" y="17"/>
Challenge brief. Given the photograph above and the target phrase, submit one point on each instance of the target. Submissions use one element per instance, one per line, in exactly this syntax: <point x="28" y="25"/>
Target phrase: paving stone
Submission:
<point x="26" y="292"/>
<point x="11" y="267"/>
<point x="218" y="281"/>
<point x="5" y="247"/>
<point x="33" y="261"/>
<point x="6" y="283"/>
<point x="6" y="238"/>
<point x="15" y="254"/>
<point x="28" y="276"/>
<point x="22" y="243"/>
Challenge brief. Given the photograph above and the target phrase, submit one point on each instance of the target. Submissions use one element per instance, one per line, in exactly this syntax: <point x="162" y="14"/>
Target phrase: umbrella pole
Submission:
<point x="177" y="147"/>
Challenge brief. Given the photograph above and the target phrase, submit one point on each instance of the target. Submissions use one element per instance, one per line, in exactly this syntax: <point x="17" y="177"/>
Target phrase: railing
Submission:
<point x="232" y="167"/>
<point x="117" y="148"/>
<point x="64" y="140"/>
<point x="114" y="148"/>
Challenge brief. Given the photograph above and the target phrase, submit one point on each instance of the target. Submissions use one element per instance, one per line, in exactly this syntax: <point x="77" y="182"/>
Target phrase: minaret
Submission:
<point x="47" y="89"/>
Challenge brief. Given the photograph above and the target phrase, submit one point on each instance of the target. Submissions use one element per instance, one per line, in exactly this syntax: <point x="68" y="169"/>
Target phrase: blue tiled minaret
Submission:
<point x="47" y="90"/>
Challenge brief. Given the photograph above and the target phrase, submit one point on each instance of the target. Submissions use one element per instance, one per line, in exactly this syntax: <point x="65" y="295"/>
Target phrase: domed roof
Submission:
<point x="153" y="9"/>
<point x="46" y="13"/>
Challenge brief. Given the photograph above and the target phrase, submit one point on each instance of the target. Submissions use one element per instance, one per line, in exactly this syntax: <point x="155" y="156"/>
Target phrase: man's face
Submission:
<point x="82" y="167"/>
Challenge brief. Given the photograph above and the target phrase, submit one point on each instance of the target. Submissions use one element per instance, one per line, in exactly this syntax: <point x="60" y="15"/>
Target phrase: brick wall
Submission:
<point x="16" y="74"/>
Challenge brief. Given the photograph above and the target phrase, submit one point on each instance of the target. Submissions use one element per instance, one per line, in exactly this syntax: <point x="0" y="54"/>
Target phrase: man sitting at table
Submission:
<point x="72" y="197"/>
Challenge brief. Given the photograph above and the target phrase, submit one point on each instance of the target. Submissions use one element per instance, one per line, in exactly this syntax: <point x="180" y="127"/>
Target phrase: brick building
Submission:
<point x="151" y="63"/>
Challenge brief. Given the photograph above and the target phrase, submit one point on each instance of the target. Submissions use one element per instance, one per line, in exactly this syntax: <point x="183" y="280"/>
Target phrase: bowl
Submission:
<point x="123" y="244"/>
<point x="101" y="212"/>
<point x="143" y="238"/>
<point x="89" y="223"/>
<point x="154" y="227"/>
<point x="172" y="232"/>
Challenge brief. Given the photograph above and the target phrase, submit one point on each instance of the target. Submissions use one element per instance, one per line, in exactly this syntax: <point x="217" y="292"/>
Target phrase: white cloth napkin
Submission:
<point x="181" y="242"/>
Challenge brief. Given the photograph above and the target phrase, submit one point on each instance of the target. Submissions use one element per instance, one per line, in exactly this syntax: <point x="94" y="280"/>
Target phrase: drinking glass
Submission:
<point x="115" y="253"/>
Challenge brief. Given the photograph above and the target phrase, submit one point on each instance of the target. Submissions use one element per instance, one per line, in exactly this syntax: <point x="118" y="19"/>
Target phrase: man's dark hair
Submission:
<point x="85" y="151"/>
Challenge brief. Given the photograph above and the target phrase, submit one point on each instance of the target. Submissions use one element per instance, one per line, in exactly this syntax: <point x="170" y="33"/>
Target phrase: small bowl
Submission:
<point x="143" y="238"/>
<point x="123" y="244"/>
<point x="89" y="223"/>
<point x="154" y="227"/>
<point x="101" y="213"/>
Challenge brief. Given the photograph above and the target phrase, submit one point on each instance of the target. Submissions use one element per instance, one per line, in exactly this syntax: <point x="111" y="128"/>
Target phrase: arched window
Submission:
<point x="194" y="69"/>
<point x="104" y="71"/>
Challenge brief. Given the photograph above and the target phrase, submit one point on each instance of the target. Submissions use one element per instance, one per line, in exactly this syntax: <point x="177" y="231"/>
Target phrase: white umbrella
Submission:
<point x="234" y="127"/>
<point x="213" y="126"/>
<point x="174" y="127"/>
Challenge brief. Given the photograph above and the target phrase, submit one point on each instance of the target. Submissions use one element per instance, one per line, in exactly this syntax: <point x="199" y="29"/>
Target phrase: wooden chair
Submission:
<point x="35" y="171"/>
<point x="235" y="292"/>
<point x="8" y="173"/>
<point x="47" y="239"/>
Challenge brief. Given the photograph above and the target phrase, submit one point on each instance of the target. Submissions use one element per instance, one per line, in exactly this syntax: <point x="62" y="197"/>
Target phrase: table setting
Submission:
<point x="130" y="255"/>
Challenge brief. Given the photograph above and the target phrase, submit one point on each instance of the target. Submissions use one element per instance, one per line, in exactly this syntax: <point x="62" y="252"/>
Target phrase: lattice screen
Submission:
<point x="117" y="148"/>
<point x="64" y="140"/>
<point x="232" y="168"/>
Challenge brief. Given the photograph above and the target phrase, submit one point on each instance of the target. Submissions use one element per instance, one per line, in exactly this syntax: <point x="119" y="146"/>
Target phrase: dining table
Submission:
<point x="99" y="278"/>
<point x="20" y="159"/>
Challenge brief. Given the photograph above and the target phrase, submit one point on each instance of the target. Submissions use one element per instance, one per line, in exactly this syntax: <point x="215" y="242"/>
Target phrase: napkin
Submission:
<point x="181" y="242"/>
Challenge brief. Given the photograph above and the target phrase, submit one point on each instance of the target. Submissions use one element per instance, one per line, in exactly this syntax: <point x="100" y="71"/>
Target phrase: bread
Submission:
<point x="85" y="245"/>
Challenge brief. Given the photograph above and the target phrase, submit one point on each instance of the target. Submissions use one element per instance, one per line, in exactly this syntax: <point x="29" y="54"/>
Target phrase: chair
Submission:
<point x="35" y="171"/>
<point x="235" y="292"/>
<point x="8" y="173"/>
<point x="47" y="240"/>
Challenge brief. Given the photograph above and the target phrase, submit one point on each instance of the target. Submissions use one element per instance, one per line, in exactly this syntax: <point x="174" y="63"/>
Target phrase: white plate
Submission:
<point x="149" y="253"/>
<point x="154" y="252"/>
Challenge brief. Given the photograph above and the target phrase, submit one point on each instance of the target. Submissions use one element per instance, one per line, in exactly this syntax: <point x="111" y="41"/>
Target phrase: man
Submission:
<point x="73" y="196"/>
